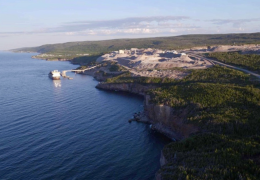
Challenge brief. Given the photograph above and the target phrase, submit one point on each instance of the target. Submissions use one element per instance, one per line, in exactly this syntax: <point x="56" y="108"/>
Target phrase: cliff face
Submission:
<point x="126" y="87"/>
<point x="164" y="119"/>
<point x="169" y="121"/>
<point x="163" y="161"/>
<point x="94" y="73"/>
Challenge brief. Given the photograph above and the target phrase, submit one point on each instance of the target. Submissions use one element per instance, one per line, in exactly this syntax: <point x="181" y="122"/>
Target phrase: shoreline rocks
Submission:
<point x="164" y="119"/>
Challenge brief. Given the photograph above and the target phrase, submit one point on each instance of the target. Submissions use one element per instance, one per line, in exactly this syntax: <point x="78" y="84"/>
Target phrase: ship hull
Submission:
<point x="54" y="77"/>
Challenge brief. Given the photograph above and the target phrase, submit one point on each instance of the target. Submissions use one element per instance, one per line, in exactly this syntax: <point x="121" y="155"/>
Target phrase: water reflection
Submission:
<point x="57" y="83"/>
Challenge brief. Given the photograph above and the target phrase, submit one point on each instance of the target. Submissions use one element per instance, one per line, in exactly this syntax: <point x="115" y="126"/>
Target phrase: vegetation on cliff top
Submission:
<point x="214" y="157"/>
<point x="85" y="60"/>
<point x="247" y="61"/>
<point x="128" y="78"/>
<point x="216" y="74"/>
<point x="116" y="68"/>
<point x="227" y="110"/>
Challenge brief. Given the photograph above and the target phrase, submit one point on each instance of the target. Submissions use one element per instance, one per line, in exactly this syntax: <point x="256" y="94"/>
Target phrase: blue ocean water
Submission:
<point x="68" y="129"/>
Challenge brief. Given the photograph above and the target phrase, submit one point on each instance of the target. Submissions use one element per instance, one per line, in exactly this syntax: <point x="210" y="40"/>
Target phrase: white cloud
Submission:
<point x="70" y="33"/>
<point x="143" y="26"/>
<point x="173" y="30"/>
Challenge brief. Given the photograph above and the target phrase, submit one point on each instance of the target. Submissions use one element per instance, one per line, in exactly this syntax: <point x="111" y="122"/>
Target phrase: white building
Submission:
<point x="121" y="52"/>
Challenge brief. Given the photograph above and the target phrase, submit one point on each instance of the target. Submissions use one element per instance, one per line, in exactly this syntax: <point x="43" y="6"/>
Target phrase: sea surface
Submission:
<point x="68" y="129"/>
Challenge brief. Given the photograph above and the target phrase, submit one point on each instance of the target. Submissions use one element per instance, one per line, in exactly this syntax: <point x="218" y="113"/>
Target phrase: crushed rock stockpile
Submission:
<point x="143" y="60"/>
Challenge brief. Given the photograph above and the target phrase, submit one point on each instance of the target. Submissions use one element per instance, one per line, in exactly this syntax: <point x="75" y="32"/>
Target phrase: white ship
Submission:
<point x="55" y="75"/>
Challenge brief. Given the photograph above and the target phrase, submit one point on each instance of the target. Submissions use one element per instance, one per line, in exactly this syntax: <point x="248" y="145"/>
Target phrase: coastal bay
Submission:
<point x="145" y="90"/>
<point x="68" y="128"/>
<point x="189" y="108"/>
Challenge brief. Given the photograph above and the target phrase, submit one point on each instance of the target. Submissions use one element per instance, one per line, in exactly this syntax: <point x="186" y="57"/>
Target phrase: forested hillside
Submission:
<point x="247" y="61"/>
<point x="176" y="42"/>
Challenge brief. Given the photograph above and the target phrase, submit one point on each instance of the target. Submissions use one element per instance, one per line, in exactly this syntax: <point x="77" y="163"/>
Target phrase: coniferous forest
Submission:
<point x="225" y="105"/>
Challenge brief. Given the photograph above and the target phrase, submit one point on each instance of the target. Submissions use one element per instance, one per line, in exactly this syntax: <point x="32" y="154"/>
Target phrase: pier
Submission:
<point x="63" y="73"/>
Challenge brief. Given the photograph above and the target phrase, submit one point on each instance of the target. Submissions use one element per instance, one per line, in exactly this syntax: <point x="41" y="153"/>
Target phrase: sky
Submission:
<point x="28" y="23"/>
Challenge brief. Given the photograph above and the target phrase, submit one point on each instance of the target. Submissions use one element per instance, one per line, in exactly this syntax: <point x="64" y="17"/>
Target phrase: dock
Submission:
<point x="63" y="73"/>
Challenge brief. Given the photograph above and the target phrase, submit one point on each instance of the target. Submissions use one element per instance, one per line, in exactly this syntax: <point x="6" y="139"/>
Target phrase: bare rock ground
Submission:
<point x="158" y="63"/>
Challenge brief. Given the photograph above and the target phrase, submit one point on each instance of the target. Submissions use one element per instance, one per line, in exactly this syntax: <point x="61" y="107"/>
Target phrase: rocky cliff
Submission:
<point x="170" y="121"/>
<point x="164" y="119"/>
<point x="126" y="87"/>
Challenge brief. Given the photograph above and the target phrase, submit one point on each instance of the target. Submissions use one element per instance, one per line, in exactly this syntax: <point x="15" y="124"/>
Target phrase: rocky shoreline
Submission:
<point x="162" y="118"/>
<point x="176" y="121"/>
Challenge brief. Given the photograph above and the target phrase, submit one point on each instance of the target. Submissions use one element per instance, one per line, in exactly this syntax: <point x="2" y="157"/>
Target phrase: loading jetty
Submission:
<point x="63" y="73"/>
